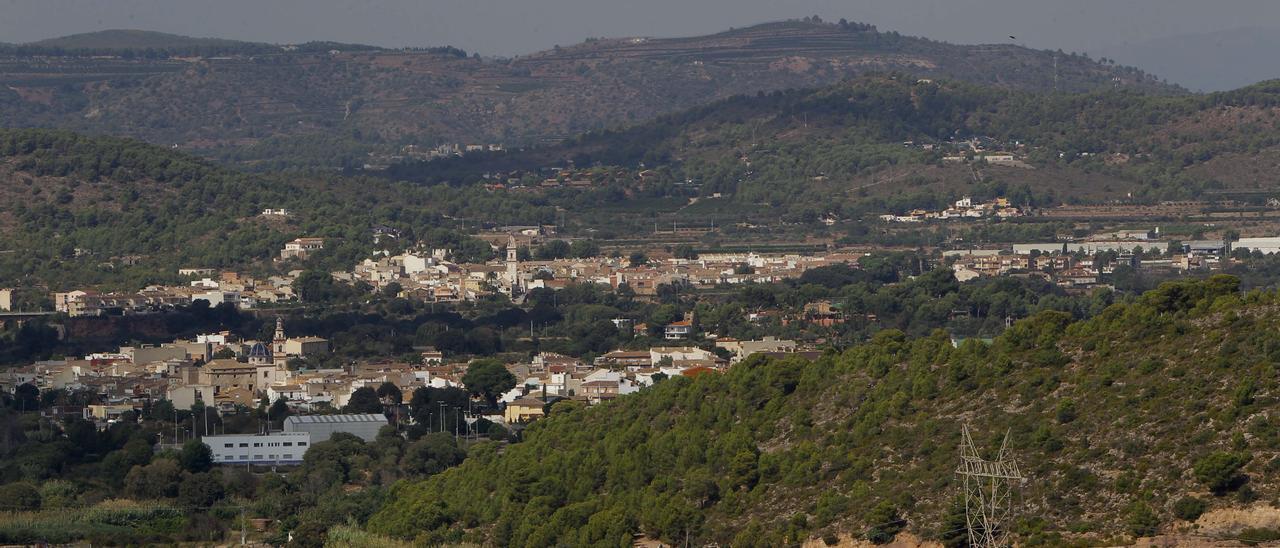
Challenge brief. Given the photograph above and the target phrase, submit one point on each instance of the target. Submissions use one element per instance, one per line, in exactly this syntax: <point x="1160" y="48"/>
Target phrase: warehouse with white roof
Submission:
<point x="322" y="427"/>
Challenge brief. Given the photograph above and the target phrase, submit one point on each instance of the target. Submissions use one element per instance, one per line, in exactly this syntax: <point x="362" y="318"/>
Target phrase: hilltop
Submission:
<point x="1125" y="425"/>
<point x="131" y="39"/>
<point x="328" y="106"/>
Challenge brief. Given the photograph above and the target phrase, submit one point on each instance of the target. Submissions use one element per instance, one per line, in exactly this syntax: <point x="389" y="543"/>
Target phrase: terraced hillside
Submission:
<point x="330" y="106"/>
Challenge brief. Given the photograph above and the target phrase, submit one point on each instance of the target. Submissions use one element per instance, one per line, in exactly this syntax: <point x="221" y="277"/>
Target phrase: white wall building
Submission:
<point x="1265" y="245"/>
<point x="273" y="448"/>
<point x="679" y="353"/>
<point x="216" y="298"/>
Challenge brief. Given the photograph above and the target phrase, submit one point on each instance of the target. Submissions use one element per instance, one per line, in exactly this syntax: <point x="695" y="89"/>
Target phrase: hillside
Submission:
<point x="82" y="210"/>
<point x="129" y="39"/>
<point x="878" y="144"/>
<point x="1127" y="424"/>
<point x="327" y="107"/>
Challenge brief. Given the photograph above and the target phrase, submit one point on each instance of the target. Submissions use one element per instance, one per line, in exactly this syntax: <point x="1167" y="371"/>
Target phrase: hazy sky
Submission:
<point x="506" y="27"/>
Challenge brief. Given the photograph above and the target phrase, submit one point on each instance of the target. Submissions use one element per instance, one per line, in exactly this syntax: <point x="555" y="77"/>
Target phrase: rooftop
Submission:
<point x="356" y="417"/>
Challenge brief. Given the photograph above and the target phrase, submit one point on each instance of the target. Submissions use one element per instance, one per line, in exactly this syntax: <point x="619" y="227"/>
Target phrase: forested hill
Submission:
<point x="81" y="210"/>
<point x="1124" y="425"/>
<point x="328" y="106"/>
<point x="831" y="149"/>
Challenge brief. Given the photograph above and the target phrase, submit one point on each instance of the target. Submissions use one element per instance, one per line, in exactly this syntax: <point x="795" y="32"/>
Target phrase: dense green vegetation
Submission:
<point x="1114" y="419"/>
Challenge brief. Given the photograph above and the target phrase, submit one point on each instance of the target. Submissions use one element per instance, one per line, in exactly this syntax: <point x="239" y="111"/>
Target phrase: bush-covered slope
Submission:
<point x="78" y="209"/>
<point x="876" y="144"/>
<point x="1113" y="420"/>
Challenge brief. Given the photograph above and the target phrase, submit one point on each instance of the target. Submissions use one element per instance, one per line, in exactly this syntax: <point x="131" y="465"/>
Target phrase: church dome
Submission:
<point x="259" y="350"/>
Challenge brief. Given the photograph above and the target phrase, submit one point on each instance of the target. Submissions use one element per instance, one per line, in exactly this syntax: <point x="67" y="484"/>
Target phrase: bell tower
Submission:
<point x="277" y="343"/>
<point x="513" y="263"/>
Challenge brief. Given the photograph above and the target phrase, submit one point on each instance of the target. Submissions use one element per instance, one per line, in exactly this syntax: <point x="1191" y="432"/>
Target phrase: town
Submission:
<point x="230" y="374"/>
<point x="796" y="282"/>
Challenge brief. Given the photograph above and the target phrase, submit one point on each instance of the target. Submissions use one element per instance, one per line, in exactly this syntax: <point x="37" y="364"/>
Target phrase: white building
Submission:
<point x="1090" y="248"/>
<point x="216" y="298"/>
<point x="273" y="448"/>
<point x="301" y="248"/>
<point x="742" y="349"/>
<point x="6" y="299"/>
<point x="1264" y="245"/>
<point x="679" y="353"/>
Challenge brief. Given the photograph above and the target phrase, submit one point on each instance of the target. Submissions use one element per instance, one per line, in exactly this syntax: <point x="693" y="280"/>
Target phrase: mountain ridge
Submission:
<point x="344" y="104"/>
<point x="122" y="39"/>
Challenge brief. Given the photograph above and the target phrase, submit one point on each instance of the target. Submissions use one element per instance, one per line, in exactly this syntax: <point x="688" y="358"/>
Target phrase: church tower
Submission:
<point x="277" y="343"/>
<point x="513" y="262"/>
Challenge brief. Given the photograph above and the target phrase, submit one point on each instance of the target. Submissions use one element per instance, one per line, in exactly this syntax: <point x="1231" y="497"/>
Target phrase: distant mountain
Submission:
<point x="125" y="39"/>
<point x="323" y="107"/>
<point x="1213" y="61"/>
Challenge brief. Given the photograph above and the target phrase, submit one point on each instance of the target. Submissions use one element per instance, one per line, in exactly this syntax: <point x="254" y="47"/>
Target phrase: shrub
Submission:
<point x="1188" y="508"/>
<point x="1220" y="471"/>
<point x="885" y="523"/>
<point x="20" y="496"/>
<point x="1066" y="411"/>
<point x="1142" y="520"/>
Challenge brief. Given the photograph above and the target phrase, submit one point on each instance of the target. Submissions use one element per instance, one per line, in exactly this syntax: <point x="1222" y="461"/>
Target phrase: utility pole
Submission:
<point x="1055" y="72"/>
<point x="988" y="492"/>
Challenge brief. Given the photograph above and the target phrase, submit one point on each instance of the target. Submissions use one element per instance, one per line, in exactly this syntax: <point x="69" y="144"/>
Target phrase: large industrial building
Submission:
<point x="322" y="427"/>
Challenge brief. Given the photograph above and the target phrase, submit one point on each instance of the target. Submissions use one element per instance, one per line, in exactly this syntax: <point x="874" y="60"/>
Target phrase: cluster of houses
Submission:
<point x="216" y="369"/>
<point x="380" y="160"/>
<point x="228" y="287"/>
<point x="432" y="277"/>
<point x="1074" y="265"/>
<point x="620" y="372"/>
<point x="229" y="375"/>
<point x="964" y="208"/>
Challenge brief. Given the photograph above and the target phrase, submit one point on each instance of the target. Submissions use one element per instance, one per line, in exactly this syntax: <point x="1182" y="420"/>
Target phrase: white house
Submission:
<point x="679" y="353"/>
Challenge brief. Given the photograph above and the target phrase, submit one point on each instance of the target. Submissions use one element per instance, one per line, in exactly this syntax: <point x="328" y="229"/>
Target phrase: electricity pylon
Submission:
<point x="988" y="492"/>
